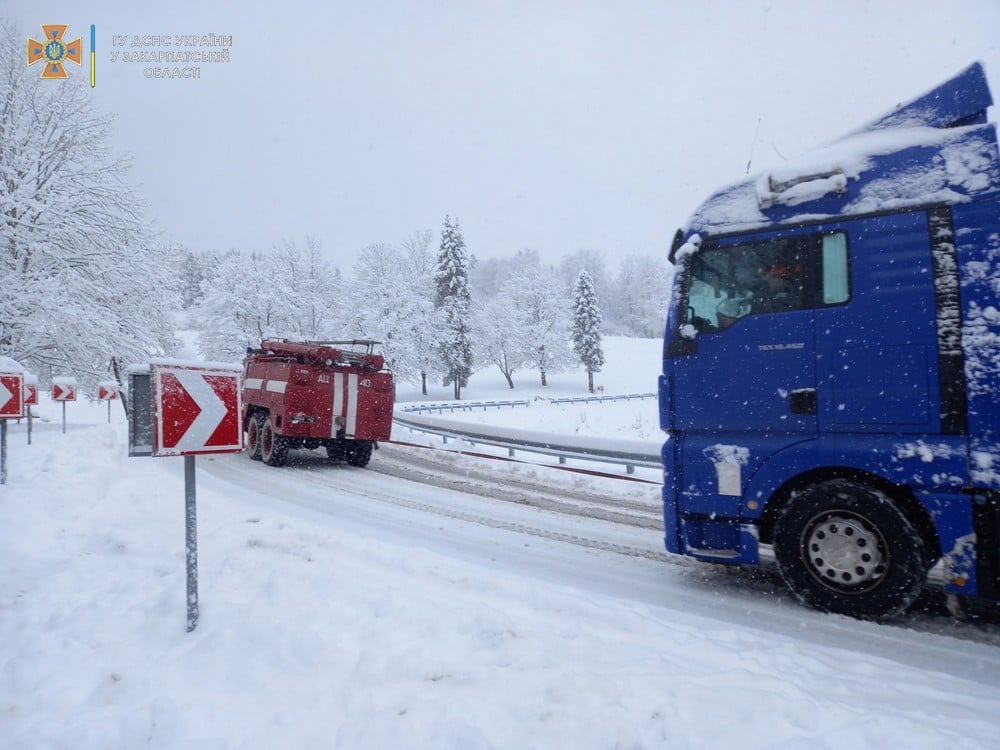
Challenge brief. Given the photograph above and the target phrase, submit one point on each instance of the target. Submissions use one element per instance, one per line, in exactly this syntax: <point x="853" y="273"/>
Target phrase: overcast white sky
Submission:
<point x="542" y="124"/>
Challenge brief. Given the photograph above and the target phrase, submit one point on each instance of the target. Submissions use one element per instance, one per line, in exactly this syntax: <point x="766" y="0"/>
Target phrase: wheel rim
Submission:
<point x="267" y="441"/>
<point x="844" y="551"/>
<point x="253" y="437"/>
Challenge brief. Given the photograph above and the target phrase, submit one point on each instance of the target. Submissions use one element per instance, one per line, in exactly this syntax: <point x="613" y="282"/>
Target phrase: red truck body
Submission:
<point x="332" y="394"/>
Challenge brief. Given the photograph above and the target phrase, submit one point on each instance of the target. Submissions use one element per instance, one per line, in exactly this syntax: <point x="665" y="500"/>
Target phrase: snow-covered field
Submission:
<point x="336" y="612"/>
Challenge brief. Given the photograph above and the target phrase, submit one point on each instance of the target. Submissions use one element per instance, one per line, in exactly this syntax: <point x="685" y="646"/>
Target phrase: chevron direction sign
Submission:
<point x="64" y="389"/>
<point x="107" y="390"/>
<point x="196" y="409"/>
<point x="30" y="389"/>
<point x="11" y="395"/>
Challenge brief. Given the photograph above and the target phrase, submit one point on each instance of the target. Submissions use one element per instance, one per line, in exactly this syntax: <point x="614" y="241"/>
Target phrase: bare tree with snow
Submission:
<point x="502" y="336"/>
<point x="84" y="280"/>
<point x="538" y="294"/>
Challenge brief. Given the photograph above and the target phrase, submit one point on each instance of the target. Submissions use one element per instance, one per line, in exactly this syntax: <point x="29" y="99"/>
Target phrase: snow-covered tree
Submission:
<point x="454" y="300"/>
<point x="391" y="300"/>
<point x="641" y="292"/>
<point x="424" y="317"/>
<point x="538" y="295"/>
<point x="594" y="263"/>
<point x="587" y="327"/>
<point x="490" y="275"/>
<point x="379" y="303"/>
<point x="312" y="287"/>
<point x="84" y="281"/>
<point x="243" y="301"/>
<point x="502" y="336"/>
<point x="193" y="269"/>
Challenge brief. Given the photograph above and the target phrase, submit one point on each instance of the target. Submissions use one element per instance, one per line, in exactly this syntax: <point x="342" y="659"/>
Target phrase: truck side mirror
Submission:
<point x="680" y="345"/>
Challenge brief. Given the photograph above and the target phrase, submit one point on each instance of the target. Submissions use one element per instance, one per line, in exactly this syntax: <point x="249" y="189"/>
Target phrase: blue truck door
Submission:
<point x="751" y="375"/>
<point x="879" y="371"/>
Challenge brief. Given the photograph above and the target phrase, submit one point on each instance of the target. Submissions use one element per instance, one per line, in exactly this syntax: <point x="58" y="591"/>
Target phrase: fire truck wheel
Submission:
<point x="253" y="436"/>
<point x="845" y="548"/>
<point x="336" y="451"/>
<point x="273" y="447"/>
<point x="360" y="454"/>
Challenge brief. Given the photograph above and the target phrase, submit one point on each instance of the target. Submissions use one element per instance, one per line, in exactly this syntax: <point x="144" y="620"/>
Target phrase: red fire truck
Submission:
<point x="335" y="394"/>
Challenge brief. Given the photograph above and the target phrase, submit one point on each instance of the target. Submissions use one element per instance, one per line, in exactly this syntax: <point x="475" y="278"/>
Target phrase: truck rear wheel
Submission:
<point x="845" y="548"/>
<point x="254" y="435"/>
<point x="360" y="453"/>
<point x="273" y="447"/>
<point x="336" y="451"/>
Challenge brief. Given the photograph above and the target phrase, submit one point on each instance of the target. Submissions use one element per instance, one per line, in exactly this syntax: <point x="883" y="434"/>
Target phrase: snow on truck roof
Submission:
<point x="937" y="148"/>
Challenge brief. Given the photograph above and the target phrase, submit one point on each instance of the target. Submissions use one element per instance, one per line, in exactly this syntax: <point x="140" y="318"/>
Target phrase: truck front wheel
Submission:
<point x="273" y="447"/>
<point x="845" y="548"/>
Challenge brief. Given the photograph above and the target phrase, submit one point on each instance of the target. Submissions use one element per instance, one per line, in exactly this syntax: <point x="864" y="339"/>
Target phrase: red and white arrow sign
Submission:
<point x="106" y="392"/>
<point x="63" y="391"/>
<point x="30" y="394"/>
<point x="11" y="395"/>
<point x="197" y="410"/>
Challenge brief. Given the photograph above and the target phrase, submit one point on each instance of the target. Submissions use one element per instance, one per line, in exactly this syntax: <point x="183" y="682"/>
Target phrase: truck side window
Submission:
<point x="835" y="286"/>
<point x="769" y="276"/>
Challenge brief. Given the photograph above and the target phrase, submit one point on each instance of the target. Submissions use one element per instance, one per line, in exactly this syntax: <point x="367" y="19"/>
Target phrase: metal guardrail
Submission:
<point x="453" y="406"/>
<point x="630" y="459"/>
<point x="590" y="399"/>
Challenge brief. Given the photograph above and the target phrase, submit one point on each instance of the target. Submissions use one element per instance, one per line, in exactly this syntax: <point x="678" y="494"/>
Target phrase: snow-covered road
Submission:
<point x="432" y="600"/>
<point x="536" y="522"/>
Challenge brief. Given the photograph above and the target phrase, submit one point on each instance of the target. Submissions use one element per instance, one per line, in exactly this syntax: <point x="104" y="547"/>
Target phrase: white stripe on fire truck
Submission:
<point x="253" y="382"/>
<point x="352" y="405"/>
<point x="338" y="401"/>
<point x="276" y="386"/>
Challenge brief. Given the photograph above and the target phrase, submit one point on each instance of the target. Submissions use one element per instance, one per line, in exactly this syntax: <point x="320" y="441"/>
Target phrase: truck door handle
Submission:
<point x="802" y="401"/>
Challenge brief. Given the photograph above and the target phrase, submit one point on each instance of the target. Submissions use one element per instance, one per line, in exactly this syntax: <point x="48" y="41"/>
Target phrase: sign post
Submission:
<point x="30" y="397"/>
<point x="186" y="409"/>
<point x="64" y="389"/>
<point x="11" y="407"/>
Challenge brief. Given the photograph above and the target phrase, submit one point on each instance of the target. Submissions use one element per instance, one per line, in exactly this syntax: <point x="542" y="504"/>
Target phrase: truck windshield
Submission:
<point x="727" y="283"/>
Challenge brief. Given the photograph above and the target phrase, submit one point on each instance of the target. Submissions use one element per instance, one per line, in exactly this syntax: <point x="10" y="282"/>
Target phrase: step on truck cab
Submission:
<point x="312" y="394"/>
<point x="831" y="366"/>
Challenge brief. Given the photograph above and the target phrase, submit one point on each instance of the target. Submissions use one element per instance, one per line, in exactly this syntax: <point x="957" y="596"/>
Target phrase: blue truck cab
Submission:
<point x="831" y="365"/>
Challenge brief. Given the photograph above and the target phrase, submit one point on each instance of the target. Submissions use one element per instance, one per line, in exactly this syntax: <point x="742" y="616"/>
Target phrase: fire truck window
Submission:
<point x="835" y="276"/>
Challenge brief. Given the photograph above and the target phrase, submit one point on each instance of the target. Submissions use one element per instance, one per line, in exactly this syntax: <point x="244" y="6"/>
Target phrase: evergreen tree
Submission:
<point x="587" y="327"/>
<point x="454" y="302"/>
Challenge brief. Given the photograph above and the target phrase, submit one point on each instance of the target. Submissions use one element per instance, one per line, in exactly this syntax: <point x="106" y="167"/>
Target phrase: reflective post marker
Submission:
<point x="191" y="545"/>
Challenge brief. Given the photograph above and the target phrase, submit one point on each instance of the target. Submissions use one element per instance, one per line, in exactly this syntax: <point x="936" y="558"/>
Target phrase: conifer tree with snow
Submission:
<point x="454" y="302"/>
<point x="587" y="327"/>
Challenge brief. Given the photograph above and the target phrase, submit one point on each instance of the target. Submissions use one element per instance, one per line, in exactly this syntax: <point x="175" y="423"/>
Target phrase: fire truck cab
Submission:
<point x="332" y="394"/>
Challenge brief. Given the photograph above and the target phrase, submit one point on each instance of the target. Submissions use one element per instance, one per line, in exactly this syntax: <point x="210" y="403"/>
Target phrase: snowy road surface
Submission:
<point x="474" y="605"/>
